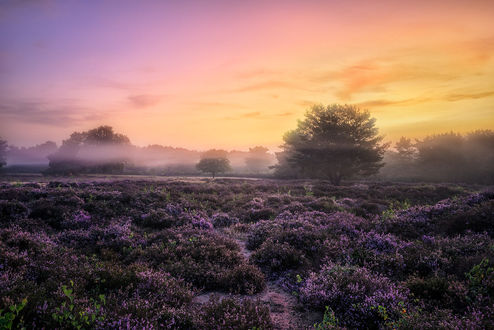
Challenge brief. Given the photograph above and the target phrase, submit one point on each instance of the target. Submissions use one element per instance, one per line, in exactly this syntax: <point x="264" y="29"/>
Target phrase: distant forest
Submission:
<point x="333" y="142"/>
<point x="101" y="150"/>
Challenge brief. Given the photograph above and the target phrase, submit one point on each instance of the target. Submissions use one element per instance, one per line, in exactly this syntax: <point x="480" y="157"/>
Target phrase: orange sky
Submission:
<point x="232" y="74"/>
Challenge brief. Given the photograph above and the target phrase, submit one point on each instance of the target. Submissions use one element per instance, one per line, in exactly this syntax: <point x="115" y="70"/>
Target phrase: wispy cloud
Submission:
<point x="144" y="100"/>
<point x="463" y="96"/>
<point x="385" y="103"/>
<point x="284" y="114"/>
<point x="64" y="112"/>
<point x="259" y="115"/>
<point x="414" y="101"/>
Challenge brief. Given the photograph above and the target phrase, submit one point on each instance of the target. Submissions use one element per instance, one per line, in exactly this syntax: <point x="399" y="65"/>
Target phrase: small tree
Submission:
<point x="214" y="165"/>
<point x="334" y="142"/>
<point x="3" y="153"/>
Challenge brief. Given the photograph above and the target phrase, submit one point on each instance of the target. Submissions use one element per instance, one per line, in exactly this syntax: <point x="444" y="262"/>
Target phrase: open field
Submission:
<point x="193" y="253"/>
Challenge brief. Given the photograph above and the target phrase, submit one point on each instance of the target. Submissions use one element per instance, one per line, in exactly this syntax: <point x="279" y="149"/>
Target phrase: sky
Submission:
<point x="234" y="74"/>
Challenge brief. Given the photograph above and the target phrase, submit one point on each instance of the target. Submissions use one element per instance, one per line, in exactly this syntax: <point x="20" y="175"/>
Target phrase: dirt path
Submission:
<point x="282" y="305"/>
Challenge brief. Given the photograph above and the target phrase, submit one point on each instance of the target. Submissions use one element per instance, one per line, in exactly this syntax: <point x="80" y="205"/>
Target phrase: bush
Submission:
<point x="275" y="257"/>
<point x="358" y="297"/>
<point x="220" y="220"/>
<point x="235" y="314"/>
<point x="245" y="279"/>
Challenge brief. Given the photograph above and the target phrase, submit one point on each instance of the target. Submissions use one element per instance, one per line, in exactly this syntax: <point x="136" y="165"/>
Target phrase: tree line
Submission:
<point x="332" y="142"/>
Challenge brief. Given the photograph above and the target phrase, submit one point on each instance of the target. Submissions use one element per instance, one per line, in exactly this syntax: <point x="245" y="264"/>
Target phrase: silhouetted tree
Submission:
<point x="258" y="159"/>
<point x="215" y="153"/>
<point x="104" y="135"/>
<point x="100" y="141"/>
<point x="3" y="153"/>
<point x="36" y="154"/>
<point x="334" y="142"/>
<point x="441" y="157"/>
<point x="479" y="147"/>
<point x="405" y="148"/>
<point x="213" y="165"/>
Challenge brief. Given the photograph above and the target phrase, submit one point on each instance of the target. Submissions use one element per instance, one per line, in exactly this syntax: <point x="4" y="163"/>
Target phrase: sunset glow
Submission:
<point x="232" y="74"/>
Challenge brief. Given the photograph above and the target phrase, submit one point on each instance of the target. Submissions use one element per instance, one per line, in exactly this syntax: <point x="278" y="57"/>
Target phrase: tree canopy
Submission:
<point x="214" y="165"/>
<point x="98" y="149"/>
<point x="258" y="159"/>
<point x="333" y="142"/>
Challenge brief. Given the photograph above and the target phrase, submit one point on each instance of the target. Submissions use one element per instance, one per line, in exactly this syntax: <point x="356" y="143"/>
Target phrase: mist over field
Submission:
<point x="279" y="164"/>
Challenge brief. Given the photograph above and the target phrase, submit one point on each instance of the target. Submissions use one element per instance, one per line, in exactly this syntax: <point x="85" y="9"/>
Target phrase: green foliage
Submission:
<point x="71" y="315"/>
<point x="7" y="319"/>
<point x="329" y="320"/>
<point x="214" y="165"/>
<point x="390" y="212"/>
<point x="481" y="278"/>
<point x="333" y="142"/>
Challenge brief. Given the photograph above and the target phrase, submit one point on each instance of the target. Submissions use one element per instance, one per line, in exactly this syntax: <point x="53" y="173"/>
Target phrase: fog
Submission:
<point x="106" y="151"/>
<point x="447" y="157"/>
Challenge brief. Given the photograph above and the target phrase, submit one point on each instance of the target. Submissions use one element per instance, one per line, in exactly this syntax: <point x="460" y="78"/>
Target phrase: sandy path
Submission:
<point x="282" y="305"/>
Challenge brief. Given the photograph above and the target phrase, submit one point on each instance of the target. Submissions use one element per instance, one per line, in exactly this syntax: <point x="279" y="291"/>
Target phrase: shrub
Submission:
<point x="358" y="297"/>
<point x="274" y="256"/>
<point x="233" y="314"/>
<point x="245" y="279"/>
<point x="220" y="220"/>
<point x="158" y="219"/>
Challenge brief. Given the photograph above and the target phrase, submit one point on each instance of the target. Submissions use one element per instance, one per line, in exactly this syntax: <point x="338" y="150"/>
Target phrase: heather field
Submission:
<point x="130" y="252"/>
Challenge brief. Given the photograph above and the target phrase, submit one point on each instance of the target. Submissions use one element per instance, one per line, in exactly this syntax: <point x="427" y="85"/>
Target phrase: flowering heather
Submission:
<point x="359" y="298"/>
<point x="128" y="254"/>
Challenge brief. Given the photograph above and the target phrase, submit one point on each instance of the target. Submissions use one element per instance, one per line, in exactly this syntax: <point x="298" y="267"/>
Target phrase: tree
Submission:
<point x="334" y="142"/>
<point x="405" y="148"/>
<point x="104" y="135"/>
<point x="213" y="165"/>
<point x="446" y="157"/>
<point x="3" y="153"/>
<point x="258" y="159"/>
<point x="214" y="153"/>
<point x="97" y="150"/>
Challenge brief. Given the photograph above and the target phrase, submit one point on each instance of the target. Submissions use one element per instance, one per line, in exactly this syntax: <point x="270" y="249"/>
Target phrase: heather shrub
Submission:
<point x="274" y="256"/>
<point x="150" y="247"/>
<point x="358" y="297"/>
<point x="79" y="220"/>
<point x="438" y="291"/>
<point x="51" y="210"/>
<point x="200" y="257"/>
<point x="478" y="218"/>
<point x="258" y="214"/>
<point x="450" y="216"/>
<point x="220" y="220"/>
<point x="245" y="279"/>
<point x="260" y="233"/>
<point x="157" y="219"/>
<point x="233" y="314"/>
<point x="323" y="204"/>
<point x="11" y="210"/>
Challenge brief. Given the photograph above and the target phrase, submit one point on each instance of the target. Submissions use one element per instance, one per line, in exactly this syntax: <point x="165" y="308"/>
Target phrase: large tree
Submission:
<point x="334" y="142"/>
<point x="97" y="150"/>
